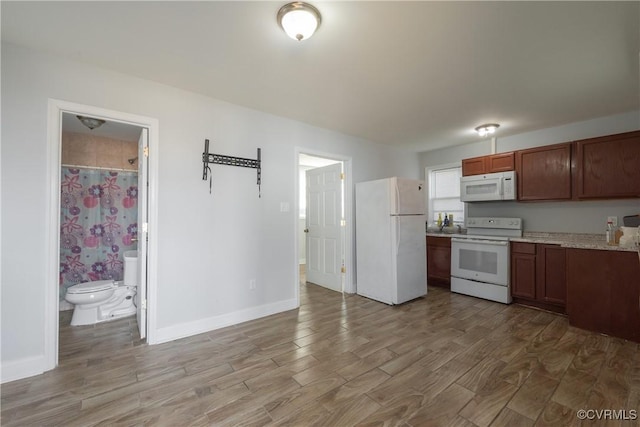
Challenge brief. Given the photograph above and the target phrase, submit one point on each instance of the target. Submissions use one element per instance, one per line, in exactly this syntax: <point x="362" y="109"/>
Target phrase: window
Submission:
<point x="443" y="183"/>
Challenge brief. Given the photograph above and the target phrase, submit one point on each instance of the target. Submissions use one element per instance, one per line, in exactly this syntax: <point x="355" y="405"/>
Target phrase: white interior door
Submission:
<point x="143" y="180"/>
<point x="324" y="229"/>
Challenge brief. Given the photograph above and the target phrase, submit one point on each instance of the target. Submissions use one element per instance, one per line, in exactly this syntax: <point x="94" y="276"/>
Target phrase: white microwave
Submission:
<point x="488" y="187"/>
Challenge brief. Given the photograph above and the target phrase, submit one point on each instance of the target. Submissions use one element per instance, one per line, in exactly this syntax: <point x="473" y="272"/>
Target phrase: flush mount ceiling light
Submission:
<point x="488" y="129"/>
<point x="299" y="20"/>
<point x="91" y="122"/>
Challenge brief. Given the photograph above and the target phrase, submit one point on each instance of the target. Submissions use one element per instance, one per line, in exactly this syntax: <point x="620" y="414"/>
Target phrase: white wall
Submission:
<point x="573" y="216"/>
<point x="210" y="246"/>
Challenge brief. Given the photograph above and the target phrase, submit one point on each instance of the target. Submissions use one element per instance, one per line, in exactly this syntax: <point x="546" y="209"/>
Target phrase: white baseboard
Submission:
<point x="16" y="370"/>
<point x="212" y="323"/>
<point x="302" y="261"/>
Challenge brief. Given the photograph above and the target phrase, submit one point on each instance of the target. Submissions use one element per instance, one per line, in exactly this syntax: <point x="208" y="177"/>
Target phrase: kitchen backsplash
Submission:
<point x="569" y="217"/>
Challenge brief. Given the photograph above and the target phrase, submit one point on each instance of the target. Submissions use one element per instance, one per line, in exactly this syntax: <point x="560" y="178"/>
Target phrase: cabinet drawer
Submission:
<point x="523" y="248"/>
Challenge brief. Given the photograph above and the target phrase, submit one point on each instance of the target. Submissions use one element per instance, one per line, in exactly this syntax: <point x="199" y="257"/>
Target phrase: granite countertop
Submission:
<point x="438" y="234"/>
<point x="571" y="240"/>
<point x="566" y="240"/>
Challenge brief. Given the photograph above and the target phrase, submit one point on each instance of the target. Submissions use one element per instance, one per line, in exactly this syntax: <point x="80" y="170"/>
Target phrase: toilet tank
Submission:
<point x="131" y="268"/>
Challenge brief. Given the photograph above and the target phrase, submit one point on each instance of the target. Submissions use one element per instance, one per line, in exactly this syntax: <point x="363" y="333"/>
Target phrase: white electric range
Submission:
<point x="480" y="259"/>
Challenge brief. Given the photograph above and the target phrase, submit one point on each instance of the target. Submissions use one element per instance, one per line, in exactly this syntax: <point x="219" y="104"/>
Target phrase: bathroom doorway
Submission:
<point x="316" y="263"/>
<point x="102" y="192"/>
<point x="99" y="200"/>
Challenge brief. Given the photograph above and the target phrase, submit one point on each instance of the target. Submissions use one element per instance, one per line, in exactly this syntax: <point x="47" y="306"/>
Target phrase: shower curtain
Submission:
<point x="98" y="218"/>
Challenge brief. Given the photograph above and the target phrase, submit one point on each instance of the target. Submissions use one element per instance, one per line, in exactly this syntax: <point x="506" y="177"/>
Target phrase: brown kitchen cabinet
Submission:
<point x="439" y="261"/>
<point x="608" y="166"/>
<point x="538" y="275"/>
<point x="502" y="162"/>
<point x="523" y="270"/>
<point x="544" y="173"/>
<point x="551" y="280"/>
<point x="603" y="292"/>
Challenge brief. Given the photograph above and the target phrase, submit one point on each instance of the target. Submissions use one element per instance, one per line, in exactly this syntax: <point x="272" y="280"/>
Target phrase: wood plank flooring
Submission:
<point x="445" y="360"/>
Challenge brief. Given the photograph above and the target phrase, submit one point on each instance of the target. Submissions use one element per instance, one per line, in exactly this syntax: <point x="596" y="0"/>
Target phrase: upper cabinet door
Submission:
<point x="609" y="166"/>
<point x="502" y="162"/>
<point x="474" y="166"/>
<point x="544" y="173"/>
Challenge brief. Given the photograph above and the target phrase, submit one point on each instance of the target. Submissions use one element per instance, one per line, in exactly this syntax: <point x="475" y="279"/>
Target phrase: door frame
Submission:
<point x="349" y="256"/>
<point x="54" y="148"/>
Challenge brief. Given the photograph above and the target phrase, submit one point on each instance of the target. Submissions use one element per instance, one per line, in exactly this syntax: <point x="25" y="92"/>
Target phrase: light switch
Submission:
<point x="284" y="206"/>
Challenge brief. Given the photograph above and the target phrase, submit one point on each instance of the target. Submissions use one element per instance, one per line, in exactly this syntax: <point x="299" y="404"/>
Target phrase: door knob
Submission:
<point x="306" y="230"/>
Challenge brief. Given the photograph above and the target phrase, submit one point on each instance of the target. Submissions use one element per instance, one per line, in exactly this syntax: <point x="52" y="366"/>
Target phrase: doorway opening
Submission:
<point x="323" y="229"/>
<point x="102" y="200"/>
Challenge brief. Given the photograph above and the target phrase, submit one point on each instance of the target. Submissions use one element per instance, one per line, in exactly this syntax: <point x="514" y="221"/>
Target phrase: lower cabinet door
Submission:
<point x="523" y="275"/>
<point x="589" y="297"/>
<point x="603" y="292"/>
<point x="551" y="274"/>
<point x="439" y="261"/>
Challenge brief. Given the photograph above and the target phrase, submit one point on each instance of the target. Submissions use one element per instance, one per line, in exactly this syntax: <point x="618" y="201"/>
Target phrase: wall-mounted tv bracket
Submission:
<point x="219" y="159"/>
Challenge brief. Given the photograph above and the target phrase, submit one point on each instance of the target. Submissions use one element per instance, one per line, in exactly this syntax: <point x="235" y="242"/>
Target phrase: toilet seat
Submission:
<point x="91" y="287"/>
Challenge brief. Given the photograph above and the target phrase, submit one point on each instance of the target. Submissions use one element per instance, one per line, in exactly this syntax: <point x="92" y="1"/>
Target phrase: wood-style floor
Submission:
<point x="447" y="360"/>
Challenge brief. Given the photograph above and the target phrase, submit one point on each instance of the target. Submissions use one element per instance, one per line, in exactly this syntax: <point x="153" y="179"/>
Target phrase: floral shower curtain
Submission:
<point x="98" y="218"/>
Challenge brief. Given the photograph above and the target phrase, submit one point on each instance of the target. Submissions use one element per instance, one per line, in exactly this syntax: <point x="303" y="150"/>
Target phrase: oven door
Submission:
<point x="480" y="260"/>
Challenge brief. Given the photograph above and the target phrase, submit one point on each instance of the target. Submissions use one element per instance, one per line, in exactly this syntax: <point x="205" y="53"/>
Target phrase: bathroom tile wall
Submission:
<point x="81" y="149"/>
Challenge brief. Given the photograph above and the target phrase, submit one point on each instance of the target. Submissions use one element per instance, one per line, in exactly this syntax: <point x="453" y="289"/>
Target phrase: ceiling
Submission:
<point x="308" y="161"/>
<point x="110" y="129"/>
<point x="420" y="75"/>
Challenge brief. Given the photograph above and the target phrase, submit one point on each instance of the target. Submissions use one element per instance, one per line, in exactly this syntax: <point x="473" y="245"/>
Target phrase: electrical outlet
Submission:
<point x="252" y="284"/>
<point x="613" y="219"/>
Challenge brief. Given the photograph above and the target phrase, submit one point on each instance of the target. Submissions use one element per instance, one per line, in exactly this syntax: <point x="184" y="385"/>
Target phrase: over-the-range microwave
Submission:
<point x="488" y="187"/>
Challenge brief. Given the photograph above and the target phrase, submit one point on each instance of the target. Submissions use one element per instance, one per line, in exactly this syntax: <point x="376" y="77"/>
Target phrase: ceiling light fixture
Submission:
<point x="91" y="122"/>
<point x="488" y="129"/>
<point x="299" y="20"/>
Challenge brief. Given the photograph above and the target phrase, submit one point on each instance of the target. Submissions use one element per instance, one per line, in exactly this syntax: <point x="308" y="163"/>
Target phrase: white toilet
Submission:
<point x="104" y="300"/>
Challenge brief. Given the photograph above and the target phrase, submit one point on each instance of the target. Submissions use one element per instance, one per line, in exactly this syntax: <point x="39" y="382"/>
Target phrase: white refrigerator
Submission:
<point x="391" y="265"/>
